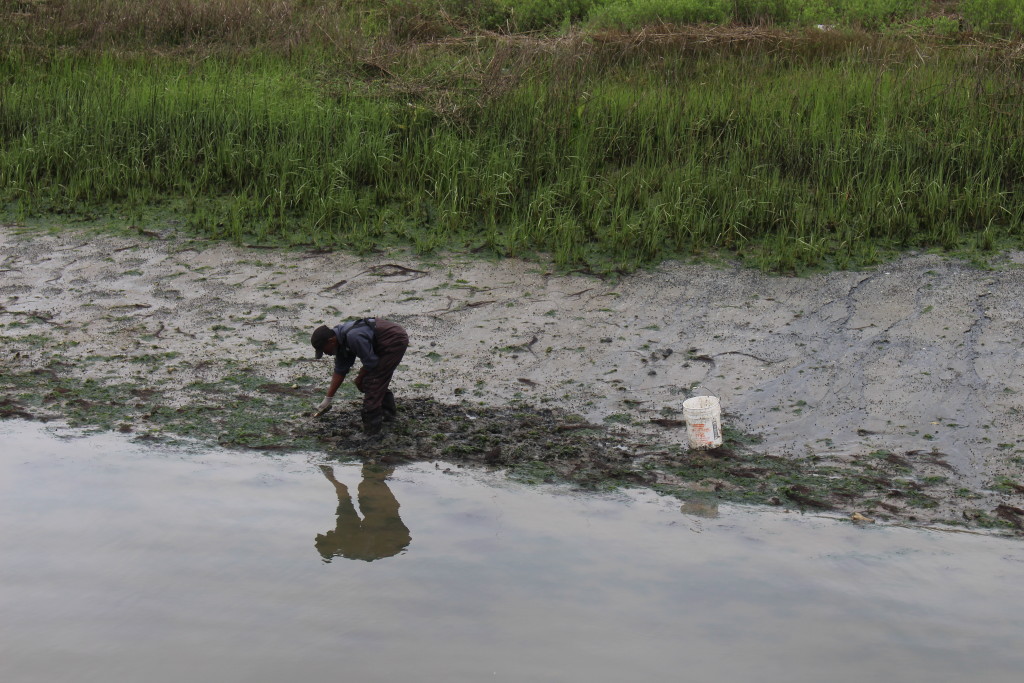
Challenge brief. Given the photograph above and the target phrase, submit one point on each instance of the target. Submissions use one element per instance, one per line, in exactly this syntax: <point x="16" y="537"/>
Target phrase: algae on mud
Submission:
<point x="533" y="445"/>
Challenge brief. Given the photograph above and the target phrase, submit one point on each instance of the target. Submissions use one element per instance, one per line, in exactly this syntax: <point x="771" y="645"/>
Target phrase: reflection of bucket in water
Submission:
<point x="703" y="416"/>
<point x="699" y="508"/>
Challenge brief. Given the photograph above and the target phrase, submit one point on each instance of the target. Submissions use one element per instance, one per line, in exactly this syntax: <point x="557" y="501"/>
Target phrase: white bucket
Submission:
<point x="703" y="416"/>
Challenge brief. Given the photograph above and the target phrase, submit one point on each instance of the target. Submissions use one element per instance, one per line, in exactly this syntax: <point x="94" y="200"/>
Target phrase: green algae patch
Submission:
<point x="543" y="445"/>
<point x="242" y="409"/>
<point x="239" y="411"/>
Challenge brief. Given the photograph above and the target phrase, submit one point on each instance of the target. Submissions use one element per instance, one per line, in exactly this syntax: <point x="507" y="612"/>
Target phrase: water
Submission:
<point x="127" y="563"/>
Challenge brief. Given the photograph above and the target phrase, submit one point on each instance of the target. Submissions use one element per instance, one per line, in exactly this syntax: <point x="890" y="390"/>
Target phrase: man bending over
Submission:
<point x="380" y="345"/>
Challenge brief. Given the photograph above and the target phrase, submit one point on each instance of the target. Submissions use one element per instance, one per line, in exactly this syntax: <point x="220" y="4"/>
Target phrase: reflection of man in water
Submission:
<point x="380" y="533"/>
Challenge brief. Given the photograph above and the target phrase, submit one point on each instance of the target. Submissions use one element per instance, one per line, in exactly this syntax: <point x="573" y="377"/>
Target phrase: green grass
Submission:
<point x="334" y="127"/>
<point x="1004" y="17"/>
<point x="347" y="27"/>
<point x="420" y="17"/>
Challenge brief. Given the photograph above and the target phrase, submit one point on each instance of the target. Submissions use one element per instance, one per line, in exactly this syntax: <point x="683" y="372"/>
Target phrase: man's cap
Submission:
<point x="321" y="336"/>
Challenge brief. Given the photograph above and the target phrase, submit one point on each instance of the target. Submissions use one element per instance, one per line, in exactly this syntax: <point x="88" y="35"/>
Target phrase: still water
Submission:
<point x="128" y="563"/>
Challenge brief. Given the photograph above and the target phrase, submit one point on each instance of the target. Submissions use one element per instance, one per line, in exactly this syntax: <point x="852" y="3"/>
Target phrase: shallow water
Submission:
<point x="125" y="563"/>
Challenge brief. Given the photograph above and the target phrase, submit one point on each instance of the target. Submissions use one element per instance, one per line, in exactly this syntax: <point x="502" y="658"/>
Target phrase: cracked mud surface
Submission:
<point x="897" y="392"/>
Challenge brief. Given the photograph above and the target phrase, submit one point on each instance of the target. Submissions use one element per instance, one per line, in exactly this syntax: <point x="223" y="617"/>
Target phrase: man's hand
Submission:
<point x="358" y="381"/>
<point x="324" y="406"/>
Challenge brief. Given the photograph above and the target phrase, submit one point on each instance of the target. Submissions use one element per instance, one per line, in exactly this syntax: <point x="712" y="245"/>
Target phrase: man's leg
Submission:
<point x="390" y="343"/>
<point x="389" y="406"/>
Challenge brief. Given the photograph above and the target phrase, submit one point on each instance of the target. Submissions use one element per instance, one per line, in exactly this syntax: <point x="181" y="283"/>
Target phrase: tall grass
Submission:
<point x="1004" y="17"/>
<point x="604" y="156"/>
<point x="345" y="25"/>
<point x="146" y="24"/>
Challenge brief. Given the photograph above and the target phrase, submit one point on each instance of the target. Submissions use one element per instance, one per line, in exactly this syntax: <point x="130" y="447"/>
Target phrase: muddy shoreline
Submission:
<point x="896" y="393"/>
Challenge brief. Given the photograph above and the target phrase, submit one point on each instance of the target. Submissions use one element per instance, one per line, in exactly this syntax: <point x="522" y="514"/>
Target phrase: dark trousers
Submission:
<point x="389" y="343"/>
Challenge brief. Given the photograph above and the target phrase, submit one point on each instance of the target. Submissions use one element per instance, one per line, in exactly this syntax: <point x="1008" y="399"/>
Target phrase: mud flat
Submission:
<point x="896" y="393"/>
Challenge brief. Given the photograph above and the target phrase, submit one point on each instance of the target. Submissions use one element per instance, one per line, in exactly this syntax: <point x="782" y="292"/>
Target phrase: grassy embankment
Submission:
<point x="608" y="138"/>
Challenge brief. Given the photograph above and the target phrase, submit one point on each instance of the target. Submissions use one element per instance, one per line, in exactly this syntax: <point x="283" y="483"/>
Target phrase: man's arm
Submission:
<point x="336" y="380"/>
<point x="325" y="405"/>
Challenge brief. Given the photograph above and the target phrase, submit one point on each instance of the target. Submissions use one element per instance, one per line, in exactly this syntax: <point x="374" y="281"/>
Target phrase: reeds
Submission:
<point x="786" y="150"/>
<point x="283" y="24"/>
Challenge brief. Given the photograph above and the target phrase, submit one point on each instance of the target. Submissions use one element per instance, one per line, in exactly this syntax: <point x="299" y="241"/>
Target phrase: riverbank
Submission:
<point x="895" y="393"/>
<point x="817" y="148"/>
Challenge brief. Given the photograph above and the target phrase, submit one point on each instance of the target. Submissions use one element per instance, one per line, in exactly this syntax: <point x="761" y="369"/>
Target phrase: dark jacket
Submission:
<point x="355" y="340"/>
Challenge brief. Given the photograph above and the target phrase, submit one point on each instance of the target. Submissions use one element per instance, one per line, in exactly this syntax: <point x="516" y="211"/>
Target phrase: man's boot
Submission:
<point x="389" y="407"/>
<point x="372" y="423"/>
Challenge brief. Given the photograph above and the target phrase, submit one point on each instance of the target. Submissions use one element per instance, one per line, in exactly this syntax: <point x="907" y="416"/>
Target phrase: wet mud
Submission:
<point x="549" y="445"/>
<point x="535" y="445"/>
<point x="893" y="394"/>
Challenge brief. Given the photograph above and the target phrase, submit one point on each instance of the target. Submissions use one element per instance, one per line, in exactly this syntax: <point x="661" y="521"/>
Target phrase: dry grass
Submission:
<point x="375" y="26"/>
<point x="159" y="24"/>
